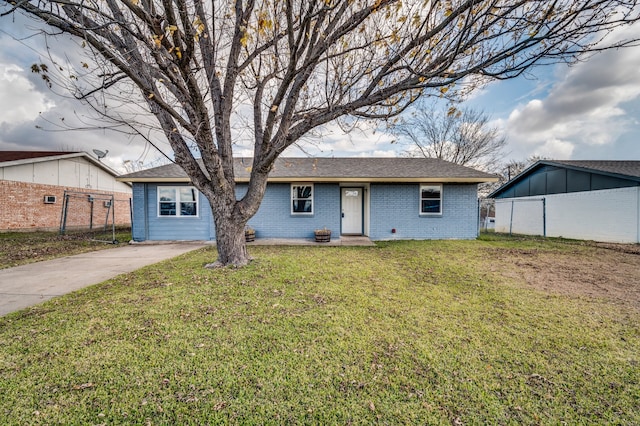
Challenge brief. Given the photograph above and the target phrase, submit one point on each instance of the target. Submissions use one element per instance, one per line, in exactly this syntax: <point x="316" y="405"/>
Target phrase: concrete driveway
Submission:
<point x="28" y="285"/>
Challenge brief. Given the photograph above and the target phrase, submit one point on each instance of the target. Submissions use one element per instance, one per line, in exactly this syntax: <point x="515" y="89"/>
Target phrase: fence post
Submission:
<point x="638" y="215"/>
<point x="511" y="218"/>
<point x="63" y="216"/>
<point x="544" y="216"/>
<point x="479" y="217"/>
<point x="90" y="199"/>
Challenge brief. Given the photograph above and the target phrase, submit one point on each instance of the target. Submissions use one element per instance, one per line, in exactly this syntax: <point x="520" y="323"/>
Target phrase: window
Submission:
<point x="430" y="199"/>
<point x="301" y="199"/>
<point x="177" y="201"/>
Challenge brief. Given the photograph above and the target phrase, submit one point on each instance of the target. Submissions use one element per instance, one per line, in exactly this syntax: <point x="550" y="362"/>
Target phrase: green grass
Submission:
<point x="19" y="248"/>
<point x="400" y="333"/>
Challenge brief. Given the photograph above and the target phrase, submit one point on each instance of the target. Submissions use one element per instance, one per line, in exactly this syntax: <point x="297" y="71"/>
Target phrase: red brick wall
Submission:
<point x="22" y="207"/>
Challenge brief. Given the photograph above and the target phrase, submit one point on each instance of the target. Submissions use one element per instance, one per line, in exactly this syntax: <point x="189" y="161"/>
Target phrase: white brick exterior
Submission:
<point x="611" y="215"/>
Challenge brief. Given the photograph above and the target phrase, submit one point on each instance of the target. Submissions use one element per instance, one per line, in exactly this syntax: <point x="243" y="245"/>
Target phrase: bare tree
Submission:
<point x="274" y="70"/>
<point x="505" y="172"/>
<point x="461" y="136"/>
<point x="514" y="167"/>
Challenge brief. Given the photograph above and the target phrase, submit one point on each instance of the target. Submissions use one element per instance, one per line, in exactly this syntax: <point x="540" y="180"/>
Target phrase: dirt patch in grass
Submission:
<point x="610" y="271"/>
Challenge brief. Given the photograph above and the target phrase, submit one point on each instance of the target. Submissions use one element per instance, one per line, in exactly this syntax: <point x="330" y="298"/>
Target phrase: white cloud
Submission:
<point x="380" y="153"/>
<point x="365" y="140"/>
<point x="555" y="148"/>
<point x="584" y="109"/>
<point x="19" y="99"/>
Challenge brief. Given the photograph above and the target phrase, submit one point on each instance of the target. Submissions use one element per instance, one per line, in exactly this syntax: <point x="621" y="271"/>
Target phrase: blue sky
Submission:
<point x="588" y="111"/>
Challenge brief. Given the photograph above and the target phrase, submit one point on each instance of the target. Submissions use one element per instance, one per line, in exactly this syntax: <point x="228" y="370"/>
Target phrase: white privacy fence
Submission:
<point x="611" y="215"/>
<point x="521" y="216"/>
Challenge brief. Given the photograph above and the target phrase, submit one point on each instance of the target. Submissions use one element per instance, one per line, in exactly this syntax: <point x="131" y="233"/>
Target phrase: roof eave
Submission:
<point x="592" y="170"/>
<point x="377" y="179"/>
<point x="151" y="180"/>
<point x="42" y="159"/>
<point x="324" y="179"/>
<point x="61" y="157"/>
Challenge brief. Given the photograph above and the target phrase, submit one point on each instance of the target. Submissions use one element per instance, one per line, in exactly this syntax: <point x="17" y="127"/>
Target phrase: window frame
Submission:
<point x="177" y="192"/>
<point x="293" y="198"/>
<point x="440" y="199"/>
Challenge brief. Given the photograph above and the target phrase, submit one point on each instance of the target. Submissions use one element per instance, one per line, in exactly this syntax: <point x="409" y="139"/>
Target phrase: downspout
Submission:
<point x="478" y="215"/>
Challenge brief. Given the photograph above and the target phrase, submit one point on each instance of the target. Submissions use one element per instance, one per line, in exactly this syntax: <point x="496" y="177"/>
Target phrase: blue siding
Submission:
<point x="174" y="228"/>
<point x="397" y="206"/>
<point x="274" y="218"/>
<point x="392" y="206"/>
<point x="139" y="225"/>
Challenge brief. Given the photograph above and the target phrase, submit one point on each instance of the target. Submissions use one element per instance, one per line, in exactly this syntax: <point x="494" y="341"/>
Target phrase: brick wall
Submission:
<point x="393" y="206"/>
<point x="274" y="218"/>
<point x="397" y="206"/>
<point x="22" y="207"/>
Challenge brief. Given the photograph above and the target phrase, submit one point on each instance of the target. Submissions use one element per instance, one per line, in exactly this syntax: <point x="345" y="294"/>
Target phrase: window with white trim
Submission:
<point x="301" y="199"/>
<point x="431" y="199"/>
<point x="178" y="201"/>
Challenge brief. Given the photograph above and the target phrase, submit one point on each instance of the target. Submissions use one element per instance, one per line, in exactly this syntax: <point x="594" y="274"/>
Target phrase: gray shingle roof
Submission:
<point x="336" y="169"/>
<point x="6" y="156"/>
<point x="622" y="168"/>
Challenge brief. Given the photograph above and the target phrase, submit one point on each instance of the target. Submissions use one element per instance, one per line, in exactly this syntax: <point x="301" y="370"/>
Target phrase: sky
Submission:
<point x="590" y="111"/>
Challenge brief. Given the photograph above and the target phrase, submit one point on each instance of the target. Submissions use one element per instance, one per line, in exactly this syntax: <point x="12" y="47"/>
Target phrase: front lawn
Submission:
<point x="401" y="333"/>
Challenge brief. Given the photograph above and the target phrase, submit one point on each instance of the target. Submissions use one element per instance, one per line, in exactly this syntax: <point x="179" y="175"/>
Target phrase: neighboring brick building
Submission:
<point x="33" y="184"/>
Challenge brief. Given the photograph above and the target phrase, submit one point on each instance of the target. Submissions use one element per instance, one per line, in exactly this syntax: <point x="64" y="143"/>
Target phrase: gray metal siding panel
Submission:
<point x="557" y="181"/>
<point x="522" y="188"/>
<point x="538" y="184"/>
<point x="607" y="182"/>
<point x="553" y="180"/>
<point x="578" y="181"/>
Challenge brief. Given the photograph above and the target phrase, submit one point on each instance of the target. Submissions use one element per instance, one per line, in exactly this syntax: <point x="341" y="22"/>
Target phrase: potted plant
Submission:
<point x="249" y="234"/>
<point x="323" y="235"/>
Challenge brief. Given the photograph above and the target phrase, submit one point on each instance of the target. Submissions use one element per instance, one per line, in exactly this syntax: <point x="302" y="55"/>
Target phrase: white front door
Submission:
<point x="352" y="211"/>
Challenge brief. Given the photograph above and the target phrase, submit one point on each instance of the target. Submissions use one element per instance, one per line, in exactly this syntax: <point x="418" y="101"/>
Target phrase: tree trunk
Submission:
<point x="231" y="215"/>
<point x="230" y="241"/>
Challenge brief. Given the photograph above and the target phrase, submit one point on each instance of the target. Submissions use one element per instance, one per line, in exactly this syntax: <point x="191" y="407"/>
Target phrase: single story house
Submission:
<point x="586" y="200"/>
<point x="34" y="185"/>
<point x="382" y="198"/>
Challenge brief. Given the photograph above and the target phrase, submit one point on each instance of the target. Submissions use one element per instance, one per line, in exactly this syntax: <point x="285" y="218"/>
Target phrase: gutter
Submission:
<point x="288" y="179"/>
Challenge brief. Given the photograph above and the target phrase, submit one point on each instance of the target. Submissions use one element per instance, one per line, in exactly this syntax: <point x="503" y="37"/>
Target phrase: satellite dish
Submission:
<point x="100" y="154"/>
